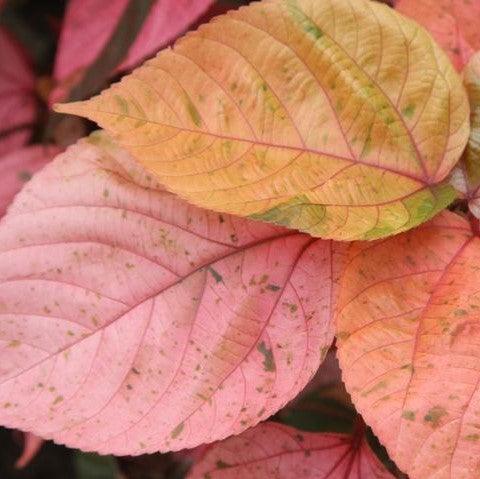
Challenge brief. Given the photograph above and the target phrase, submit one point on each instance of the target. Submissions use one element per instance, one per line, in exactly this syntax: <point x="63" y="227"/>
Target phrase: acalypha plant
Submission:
<point x="292" y="175"/>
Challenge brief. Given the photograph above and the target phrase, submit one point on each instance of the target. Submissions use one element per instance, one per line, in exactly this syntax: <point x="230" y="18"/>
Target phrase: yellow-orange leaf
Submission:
<point x="408" y="325"/>
<point x="340" y="118"/>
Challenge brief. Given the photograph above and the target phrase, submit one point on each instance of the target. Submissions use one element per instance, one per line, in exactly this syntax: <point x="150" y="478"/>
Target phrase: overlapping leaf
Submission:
<point x="31" y="446"/>
<point x="90" y="24"/>
<point x="453" y="23"/>
<point x="409" y="346"/>
<point x="17" y="95"/>
<point x="17" y="168"/>
<point x="133" y="322"/>
<point x="337" y="118"/>
<point x="274" y="450"/>
<point x="466" y="176"/>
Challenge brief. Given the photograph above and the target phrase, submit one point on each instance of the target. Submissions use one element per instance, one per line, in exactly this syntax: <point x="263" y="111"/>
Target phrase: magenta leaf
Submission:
<point x="18" y="108"/>
<point x="17" y="168"/>
<point x="273" y="450"/>
<point x="133" y="322"/>
<point x="89" y="25"/>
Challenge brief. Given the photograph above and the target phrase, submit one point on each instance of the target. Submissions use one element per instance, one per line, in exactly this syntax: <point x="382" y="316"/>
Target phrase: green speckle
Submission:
<point x="121" y="103"/>
<point x="177" y="431"/>
<point x="409" y="111"/>
<point x="194" y="114"/>
<point x="380" y="385"/>
<point x="58" y="399"/>
<point x="216" y="275"/>
<point x="273" y="287"/>
<point x="304" y="22"/>
<point x="222" y="465"/>
<point x="14" y="343"/>
<point x="24" y="176"/>
<point x="367" y="147"/>
<point x="343" y="335"/>
<point x="106" y="193"/>
<point x="268" y="359"/>
<point x="297" y="211"/>
<point x="460" y="312"/>
<point x="434" y="416"/>
<point x="408" y="415"/>
<point x="472" y="437"/>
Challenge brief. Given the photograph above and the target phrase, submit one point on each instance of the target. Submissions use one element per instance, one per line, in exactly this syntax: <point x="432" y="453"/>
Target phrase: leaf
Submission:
<point x="89" y="25"/>
<point x="31" y="446"/>
<point x="18" y="108"/>
<point x="17" y="168"/>
<point x="408" y="344"/>
<point x="133" y="322"/>
<point x="453" y="24"/>
<point x="343" y="129"/>
<point x="466" y="176"/>
<point x="274" y="450"/>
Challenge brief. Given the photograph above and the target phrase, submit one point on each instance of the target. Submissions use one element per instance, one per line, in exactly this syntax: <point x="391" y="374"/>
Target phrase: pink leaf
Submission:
<point x="31" y="446"/>
<point x="277" y="451"/>
<point x="89" y="24"/>
<point x="453" y="23"/>
<point x="135" y="322"/>
<point x="166" y="21"/>
<point x="18" y="107"/>
<point x="18" y="167"/>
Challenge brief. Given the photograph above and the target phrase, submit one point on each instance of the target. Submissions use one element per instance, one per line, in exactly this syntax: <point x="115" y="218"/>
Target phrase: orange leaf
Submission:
<point x="409" y="346"/>
<point x="337" y="118"/>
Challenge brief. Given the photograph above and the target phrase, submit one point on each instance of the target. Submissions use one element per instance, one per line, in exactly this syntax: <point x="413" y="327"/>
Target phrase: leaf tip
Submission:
<point x="73" y="108"/>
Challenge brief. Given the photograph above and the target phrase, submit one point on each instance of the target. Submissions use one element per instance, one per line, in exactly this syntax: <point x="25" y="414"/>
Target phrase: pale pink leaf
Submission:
<point x="134" y="322"/>
<point x="31" y="446"/>
<point x="453" y="23"/>
<point x="18" y="106"/>
<point x="89" y="24"/>
<point x="17" y="167"/>
<point x="273" y="450"/>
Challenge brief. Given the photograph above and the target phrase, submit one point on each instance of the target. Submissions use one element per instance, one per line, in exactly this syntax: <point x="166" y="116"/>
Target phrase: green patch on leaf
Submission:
<point x="222" y="465"/>
<point x="408" y="415"/>
<point x="435" y="415"/>
<point x="268" y="359"/>
<point x="177" y="431"/>
<point x="216" y="275"/>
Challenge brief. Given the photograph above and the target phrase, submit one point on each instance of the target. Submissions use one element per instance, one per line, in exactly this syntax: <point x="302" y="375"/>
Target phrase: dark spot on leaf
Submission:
<point x="435" y="415"/>
<point x="24" y="176"/>
<point x="177" y="431"/>
<point x="216" y="275"/>
<point x="272" y="287"/>
<point x="222" y="465"/>
<point x="408" y="415"/>
<point x="268" y="361"/>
